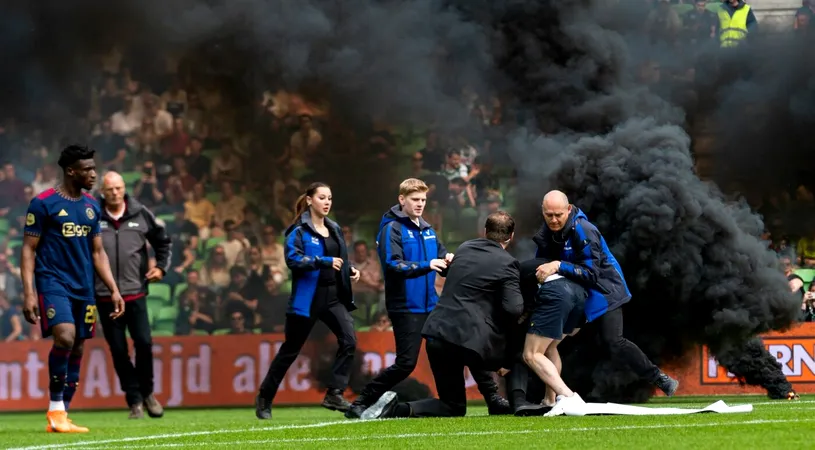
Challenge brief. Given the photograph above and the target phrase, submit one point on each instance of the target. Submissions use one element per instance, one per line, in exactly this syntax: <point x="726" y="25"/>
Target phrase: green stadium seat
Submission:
<point x="285" y="288"/>
<point x="211" y="153"/>
<point x="154" y="305"/>
<point x="131" y="178"/>
<point x="177" y="291"/>
<point x="220" y="332"/>
<point x="4" y="225"/>
<point x="199" y="333"/>
<point x="160" y="290"/>
<point x="163" y="332"/>
<point x="164" y="326"/>
<point x="198" y="264"/>
<point x="806" y="274"/>
<point x="364" y="329"/>
<point x="257" y="330"/>
<point x="14" y="246"/>
<point x="214" y="197"/>
<point x="169" y="313"/>
<point x="212" y="242"/>
<point x="167" y="218"/>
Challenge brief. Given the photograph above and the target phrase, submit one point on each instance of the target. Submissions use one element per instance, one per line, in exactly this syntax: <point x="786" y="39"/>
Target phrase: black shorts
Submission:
<point x="559" y="309"/>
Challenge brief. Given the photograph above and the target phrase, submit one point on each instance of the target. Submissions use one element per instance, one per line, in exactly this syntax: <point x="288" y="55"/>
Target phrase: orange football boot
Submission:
<point x="58" y="422"/>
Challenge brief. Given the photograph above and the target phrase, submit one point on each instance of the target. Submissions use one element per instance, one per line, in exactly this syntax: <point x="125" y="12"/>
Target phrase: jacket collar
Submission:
<point x="306" y="221"/>
<point x="132" y="207"/>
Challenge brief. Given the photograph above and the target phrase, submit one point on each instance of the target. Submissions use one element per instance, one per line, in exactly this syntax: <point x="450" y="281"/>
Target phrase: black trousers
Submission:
<point x="407" y="331"/>
<point x="136" y="382"/>
<point x="447" y="362"/>
<point x="338" y="320"/>
<point x="610" y="334"/>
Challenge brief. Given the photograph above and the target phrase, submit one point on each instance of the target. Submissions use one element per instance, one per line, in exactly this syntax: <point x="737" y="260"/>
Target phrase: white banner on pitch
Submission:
<point x="592" y="409"/>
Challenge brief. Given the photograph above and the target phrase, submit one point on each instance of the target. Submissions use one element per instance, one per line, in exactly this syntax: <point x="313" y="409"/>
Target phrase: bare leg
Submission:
<point x="553" y="355"/>
<point x="535" y="349"/>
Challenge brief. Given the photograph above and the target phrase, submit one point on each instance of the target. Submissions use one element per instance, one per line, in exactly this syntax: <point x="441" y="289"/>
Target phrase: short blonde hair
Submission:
<point x="411" y="186"/>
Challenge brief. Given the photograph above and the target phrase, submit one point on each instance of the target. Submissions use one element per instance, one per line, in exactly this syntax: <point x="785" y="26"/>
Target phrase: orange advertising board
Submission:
<point x="200" y="371"/>
<point x="190" y="371"/>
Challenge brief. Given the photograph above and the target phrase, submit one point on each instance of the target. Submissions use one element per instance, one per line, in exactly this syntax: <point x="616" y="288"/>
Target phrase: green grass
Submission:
<point x="776" y="425"/>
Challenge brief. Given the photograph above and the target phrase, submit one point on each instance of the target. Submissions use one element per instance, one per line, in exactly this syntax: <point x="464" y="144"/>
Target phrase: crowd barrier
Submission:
<point x="208" y="371"/>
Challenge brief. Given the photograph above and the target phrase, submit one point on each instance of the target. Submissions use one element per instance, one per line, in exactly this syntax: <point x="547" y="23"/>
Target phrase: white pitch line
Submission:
<point x="186" y="434"/>
<point x="458" y="434"/>
<point x="282" y="427"/>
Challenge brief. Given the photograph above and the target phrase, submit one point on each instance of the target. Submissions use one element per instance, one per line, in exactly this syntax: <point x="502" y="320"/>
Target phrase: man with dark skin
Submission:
<point x="62" y="249"/>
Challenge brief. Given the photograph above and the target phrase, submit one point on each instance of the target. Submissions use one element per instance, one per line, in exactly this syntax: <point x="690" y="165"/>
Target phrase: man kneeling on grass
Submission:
<point x="557" y="313"/>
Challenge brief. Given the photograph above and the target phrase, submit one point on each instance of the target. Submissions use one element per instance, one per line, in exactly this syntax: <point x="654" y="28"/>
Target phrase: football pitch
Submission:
<point x="772" y="424"/>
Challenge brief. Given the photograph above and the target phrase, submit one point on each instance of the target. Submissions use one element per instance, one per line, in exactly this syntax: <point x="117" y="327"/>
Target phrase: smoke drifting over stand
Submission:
<point x="694" y="263"/>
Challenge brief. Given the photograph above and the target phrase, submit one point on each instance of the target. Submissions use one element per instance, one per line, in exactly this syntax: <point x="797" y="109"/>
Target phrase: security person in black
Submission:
<point x="127" y="227"/>
<point x="481" y="298"/>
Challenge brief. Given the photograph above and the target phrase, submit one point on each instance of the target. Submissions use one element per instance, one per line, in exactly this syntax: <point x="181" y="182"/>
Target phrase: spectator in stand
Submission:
<point x="238" y="321"/>
<point x="12" y="190"/>
<point x="417" y="169"/>
<point x="11" y="323"/>
<point x="252" y="260"/>
<point x="272" y="251"/>
<point x="230" y="206"/>
<point x="272" y="306"/>
<point x="305" y="141"/>
<point x="174" y="100"/>
<point x="802" y="23"/>
<point x="227" y="166"/>
<point x="176" y="142"/>
<point x="284" y="180"/>
<point x="45" y="178"/>
<point x="178" y="184"/>
<point x="147" y="139"/>
<point x="110" y="147"/>
<point x="808" y="305"/>
<point x="194" y="313"/>
<point x="460" y="196"/>
<point x="432" y="153"/>
<point x="125" y="121"/>
<point x="10" y="284"/>
<point x="109" y="99"/>
<point x="700" y="24"/>
<point x="198" y="164"/>
<point x="162" y="120"/>
<point x="215" y="272"/>
<point x="370" y="288"/>
<point x="147" y="190"/>
<point x="252" y="225"/>
<point x="17" y="215"/>
<point x="200" y="211"/>
<point x="381" y="322"/>
<point x="663" y="23"/>
<point x="243" y="295"/>
<point x="235" y="243"/>
<point x="806" y="250"/>
<point x="453" y="168"/>
<point x="803" y="16"/>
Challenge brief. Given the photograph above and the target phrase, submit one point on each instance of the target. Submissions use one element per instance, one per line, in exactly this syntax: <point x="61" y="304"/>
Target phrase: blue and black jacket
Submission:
<point x="405" y="251"/>
<point x="304" y="256"/>
<point x="585" y="258"/>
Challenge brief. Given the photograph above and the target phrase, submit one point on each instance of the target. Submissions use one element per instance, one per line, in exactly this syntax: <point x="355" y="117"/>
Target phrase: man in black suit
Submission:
<point x="481" y="298"/>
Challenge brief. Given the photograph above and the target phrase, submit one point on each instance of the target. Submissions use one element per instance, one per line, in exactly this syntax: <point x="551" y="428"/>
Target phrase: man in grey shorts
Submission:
<point x="557" y="313"/>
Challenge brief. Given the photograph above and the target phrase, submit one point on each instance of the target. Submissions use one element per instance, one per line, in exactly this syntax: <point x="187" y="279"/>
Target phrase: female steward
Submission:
<point x="321" y="290"/>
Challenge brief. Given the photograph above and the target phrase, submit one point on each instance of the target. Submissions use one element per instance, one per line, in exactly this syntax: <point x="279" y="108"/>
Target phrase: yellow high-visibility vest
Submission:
<point x="732" y="29"/>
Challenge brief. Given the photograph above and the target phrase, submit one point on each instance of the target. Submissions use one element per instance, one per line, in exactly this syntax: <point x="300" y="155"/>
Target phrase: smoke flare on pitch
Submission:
<point x="694" y="263"/>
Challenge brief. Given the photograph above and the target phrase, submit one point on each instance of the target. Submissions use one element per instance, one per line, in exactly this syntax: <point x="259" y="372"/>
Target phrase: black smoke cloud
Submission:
<point x="697" y="270"/>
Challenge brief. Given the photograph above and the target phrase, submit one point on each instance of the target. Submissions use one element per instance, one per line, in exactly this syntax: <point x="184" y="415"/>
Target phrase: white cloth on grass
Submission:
<point x="591" y="409"/>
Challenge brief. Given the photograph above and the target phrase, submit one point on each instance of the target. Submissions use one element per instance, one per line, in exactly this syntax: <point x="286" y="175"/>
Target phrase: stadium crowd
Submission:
<point x="223" y="172"/>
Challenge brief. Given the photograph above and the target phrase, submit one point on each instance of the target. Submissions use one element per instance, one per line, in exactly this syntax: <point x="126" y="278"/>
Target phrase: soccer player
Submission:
<point x="62" y="247"/>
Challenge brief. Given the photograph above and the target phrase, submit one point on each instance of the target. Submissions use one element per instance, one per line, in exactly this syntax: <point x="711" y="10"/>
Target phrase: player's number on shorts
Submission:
<point x="90" y="314"/>
<point x="70" y="229"/>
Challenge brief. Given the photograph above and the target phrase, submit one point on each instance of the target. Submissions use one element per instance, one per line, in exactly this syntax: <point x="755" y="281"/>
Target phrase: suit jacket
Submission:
<point x="481" y="297"/>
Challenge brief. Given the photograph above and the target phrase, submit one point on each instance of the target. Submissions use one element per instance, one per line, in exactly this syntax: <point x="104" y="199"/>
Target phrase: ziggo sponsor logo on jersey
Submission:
<point x="796" y="356"/>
